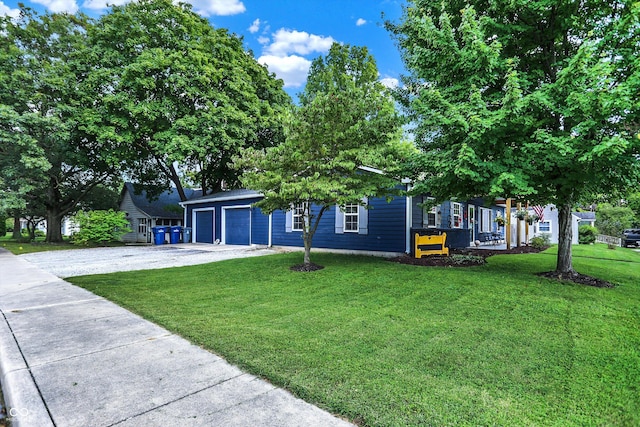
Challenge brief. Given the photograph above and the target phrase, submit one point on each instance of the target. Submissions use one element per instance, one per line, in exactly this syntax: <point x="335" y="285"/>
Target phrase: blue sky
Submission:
<point x="285" y="35"/>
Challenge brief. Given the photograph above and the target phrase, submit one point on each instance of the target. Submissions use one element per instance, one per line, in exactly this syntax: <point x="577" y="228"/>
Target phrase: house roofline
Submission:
<point x="212" y="198"/>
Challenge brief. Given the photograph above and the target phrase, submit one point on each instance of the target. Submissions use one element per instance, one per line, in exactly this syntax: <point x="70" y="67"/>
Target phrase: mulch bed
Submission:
<point x="470" y="257"/>
<point x="306" y="267"/>
<point x="478" y="256"/>
<point x="578" y="278"/>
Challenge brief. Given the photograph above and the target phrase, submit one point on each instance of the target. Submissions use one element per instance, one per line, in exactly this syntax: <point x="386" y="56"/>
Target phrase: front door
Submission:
<point x="471" y="219"/>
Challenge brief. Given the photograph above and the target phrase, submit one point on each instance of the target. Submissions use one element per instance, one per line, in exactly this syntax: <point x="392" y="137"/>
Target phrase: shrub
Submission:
<point x="542" y="241"/>
<point x="100" y="227"/>
<point x="612" y="220"/>
<point x="587" y="234"/>
<point x="3" y="226"/>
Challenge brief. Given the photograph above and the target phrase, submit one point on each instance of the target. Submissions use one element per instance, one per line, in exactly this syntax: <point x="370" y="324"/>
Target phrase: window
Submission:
<point x="544" y="227"/>
<point x="351" y="218"/>
<point x="298" y="217"/>
<point x="167" y="222"/>
<point x="456" y="215"/>
<point x="485" y="220"/>
<point x="430" y="219"/>
<point x="142" y="225"/>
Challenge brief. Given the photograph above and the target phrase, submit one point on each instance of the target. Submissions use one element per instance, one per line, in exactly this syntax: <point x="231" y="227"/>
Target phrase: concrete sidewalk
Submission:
<point x="71" y="358"/>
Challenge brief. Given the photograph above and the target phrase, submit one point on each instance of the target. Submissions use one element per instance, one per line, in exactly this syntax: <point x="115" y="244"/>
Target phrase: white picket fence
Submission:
<point x="610" y="240"/>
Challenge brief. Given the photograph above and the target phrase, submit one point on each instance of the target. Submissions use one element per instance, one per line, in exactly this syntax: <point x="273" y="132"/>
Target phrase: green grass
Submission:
<point x="386" y="344"/>
<point x="19" y="248"/>
<point x="39" y="245"/>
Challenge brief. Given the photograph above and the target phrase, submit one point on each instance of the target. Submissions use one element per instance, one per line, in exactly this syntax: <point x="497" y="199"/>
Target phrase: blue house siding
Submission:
<point x="259" y="222"/>
<point x="386" y="229"/>
<point x="457" y="237"/>
<point x="259" y="227"/>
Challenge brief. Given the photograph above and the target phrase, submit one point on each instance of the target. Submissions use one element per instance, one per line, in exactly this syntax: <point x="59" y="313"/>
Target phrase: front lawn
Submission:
<point x="390" y="344"/>
<point x="39" y="245"/>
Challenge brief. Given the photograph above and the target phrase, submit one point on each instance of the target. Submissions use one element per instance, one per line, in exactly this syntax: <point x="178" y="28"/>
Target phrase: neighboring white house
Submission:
<point x="68" y="226"/>
<point x="549" y="225"/>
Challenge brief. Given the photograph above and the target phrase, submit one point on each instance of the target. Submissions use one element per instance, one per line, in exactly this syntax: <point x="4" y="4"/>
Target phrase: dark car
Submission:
<point x="631" y="237"/>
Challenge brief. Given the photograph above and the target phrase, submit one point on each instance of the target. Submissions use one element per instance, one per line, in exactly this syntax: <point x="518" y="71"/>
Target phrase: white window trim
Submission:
<point x="436" y="217"/>
<point x="486" y="226"/>
<point x="295" y="215"/>
<point x="356" y="215"/>
<point x="460" y="217"/>
<point x="545" y="222"/>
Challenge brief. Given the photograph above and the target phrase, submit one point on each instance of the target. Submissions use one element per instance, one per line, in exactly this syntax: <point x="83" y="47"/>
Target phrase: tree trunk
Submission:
<point x="54" y="226"/>
<point x="17" y="232"/>
<point x="565" y="235"/>
<point x="176" y="181"/>
<point x="307" y="250"/>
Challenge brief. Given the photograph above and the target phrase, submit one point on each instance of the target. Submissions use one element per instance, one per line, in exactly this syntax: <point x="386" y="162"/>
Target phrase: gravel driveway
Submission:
<point x="78" y="262"/>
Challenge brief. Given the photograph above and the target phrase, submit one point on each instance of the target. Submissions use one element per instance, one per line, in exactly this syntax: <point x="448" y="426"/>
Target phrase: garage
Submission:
<point x="228" y="217"/>
<point x="237" y="225"/>
<point x="204" y="225"/>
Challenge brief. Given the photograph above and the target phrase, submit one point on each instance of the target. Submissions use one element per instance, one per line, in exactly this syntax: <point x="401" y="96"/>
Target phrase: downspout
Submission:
<point x="270" y="229"/>
<point x="409" y="216"/>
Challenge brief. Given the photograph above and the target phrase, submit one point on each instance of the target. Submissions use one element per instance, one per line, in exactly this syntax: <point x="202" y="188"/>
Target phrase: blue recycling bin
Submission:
<point x="158" y="235"/>
<point x="186" y="235"/>
<point x="174" y="237"/>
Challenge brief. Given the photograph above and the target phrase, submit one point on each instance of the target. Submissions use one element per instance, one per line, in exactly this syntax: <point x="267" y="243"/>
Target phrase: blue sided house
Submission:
<point x="230" y="217"/>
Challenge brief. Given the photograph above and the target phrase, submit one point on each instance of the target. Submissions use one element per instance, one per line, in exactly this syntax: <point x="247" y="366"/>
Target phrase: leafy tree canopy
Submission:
<point x="177" y="95"/>
<point x="346" y="120"/>
<point x="49" y="164"/>
<point x="529" y="99"/>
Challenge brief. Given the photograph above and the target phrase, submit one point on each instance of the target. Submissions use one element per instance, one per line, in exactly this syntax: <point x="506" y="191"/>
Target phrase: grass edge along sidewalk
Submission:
<point x="389" y="344"/>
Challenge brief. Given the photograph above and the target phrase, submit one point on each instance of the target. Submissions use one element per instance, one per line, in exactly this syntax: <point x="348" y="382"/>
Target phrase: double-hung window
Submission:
<point x="456" y="215"/>
<point x="351" y="218"/>
<point x="298" y="217"/>
<point x="544" y="227"/>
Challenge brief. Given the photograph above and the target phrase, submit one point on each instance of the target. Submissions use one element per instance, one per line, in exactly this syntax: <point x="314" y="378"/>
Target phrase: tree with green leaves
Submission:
<point x="49" y="163"/>
<point x="346" y="121"/>
<point x="531" y="99"/>
<point x="613" y="220"/>
<point x="178" y="97"/>
<point x="633" y="202"/>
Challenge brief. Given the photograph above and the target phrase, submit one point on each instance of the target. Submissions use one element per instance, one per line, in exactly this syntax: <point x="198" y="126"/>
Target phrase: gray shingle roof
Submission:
<point x="166" y="205"/>
<point x="587" y="216"/>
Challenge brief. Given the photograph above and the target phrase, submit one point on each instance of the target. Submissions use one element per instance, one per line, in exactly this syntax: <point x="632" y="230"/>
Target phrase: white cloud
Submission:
<point x="7" y="11"/>
<point x="300" y="42"/>
<point x="102" y="4"/>
<point x="360" y="22"/>
<point x="255" y="26"/>
<point x="59" y="6"/>
<point x="201" y="7"/>
<point x="218" y="7"/>
<point x="390" y="82"/>
<point x="293" y="69"/>
<point x="285" y="55"/>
